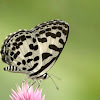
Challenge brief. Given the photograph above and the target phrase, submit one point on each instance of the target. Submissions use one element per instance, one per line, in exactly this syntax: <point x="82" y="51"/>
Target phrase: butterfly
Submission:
<point x="34" y="52"/>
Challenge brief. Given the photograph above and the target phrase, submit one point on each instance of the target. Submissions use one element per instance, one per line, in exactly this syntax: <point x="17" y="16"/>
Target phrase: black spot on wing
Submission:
<point x="22" y="37"/>
<point x="17" y="47"/>
<point x="13" y="48"/>
<point x="54" y="47"/>
<point x="58" y="34"/>
<point x="14" y="43"/>
<point x="16" y="54"/>
<point x="45" y="55"/>
<point x="43" y="24"/>
<point x="16" y="35"/>
<point x="61" y="41"/>
<point x="36" y="58"/>
<point x="28" y="37"/>
<point x="54" y="27"/>
<point x="60" y="28"/>
<point x="21" y="33"/>
<point x="20" y="43"/>
<point x="65" y="32"/>
<point x="29" y="60"/>
<point x="48" y="29"/>
<point x="51" y="34"/>
<point x="42" y="40"/>
<point x="23" y="62"/>
<point x="37" y="27"/>
<point x="18" y="39"/>
<point x="34" y="40"/>
<point x="11" y="58"/>
<point x="37" y="35"/>
<point x="50" y="22"/>
<point x="41" y="32"/>
<point x="28" y="32"/>
<point x="18" y="63"/>
<point x="23" y="68"/>
<point x="57" y="22"/>
<point x="28" y="54"/>
<point x="33" y="47"/>
<point x="6" y="52"/>
<point x="12" y="53"/>
<point x="35" y="65"/>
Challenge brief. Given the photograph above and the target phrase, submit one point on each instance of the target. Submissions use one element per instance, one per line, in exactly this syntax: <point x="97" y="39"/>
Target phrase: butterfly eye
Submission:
<point x="45" y="76"/>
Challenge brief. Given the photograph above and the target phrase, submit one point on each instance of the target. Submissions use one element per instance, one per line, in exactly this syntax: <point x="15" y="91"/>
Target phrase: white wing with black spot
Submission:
<point x="20" y="49"/>
<point x="34" y="52"/>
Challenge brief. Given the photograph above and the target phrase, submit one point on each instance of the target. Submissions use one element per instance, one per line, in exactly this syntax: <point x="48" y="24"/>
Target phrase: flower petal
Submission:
<point x="26" y="93"/>
<point x="15" y="98"/>
<point x="14" y="93"/>
<point x="43" y="97"/>
<point x="11" y="97"/>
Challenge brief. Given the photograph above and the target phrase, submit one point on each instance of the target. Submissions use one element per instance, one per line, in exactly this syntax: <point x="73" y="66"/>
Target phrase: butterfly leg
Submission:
<point x="39" y="83"/>
<point x="32" y="84"/>
<point x="24" y="79"/>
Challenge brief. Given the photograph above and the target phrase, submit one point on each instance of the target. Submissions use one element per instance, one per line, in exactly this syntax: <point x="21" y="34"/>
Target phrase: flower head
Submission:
<point x="26" y="93"/>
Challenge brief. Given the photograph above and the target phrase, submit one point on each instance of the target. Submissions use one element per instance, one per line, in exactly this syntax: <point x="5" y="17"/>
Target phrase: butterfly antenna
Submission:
<point x="55" y="77"/>
<point x="53" y="82"/>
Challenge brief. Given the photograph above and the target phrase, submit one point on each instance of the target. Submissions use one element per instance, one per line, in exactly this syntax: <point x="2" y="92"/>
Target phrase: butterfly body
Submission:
<point x="35" y="51"/>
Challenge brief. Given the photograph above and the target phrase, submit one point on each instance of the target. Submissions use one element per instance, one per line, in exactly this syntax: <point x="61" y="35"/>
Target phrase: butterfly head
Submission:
<point x="42" y="77"/>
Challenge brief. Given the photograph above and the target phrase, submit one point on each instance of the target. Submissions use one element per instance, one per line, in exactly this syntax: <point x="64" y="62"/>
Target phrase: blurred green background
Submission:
<point x="79" y="64"/>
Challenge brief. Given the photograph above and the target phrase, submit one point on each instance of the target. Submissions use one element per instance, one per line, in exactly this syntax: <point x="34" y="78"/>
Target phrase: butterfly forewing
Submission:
<point x="51" y="37"/>
<point x="34" y="52"/>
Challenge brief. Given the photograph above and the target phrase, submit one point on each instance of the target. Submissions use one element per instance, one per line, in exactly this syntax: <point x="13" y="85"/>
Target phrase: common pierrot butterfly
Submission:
<point x="34" y="51"/>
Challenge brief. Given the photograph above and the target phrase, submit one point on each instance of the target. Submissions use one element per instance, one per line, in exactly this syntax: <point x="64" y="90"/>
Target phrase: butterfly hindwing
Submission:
<point x="22" y="51"/>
